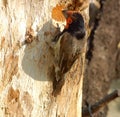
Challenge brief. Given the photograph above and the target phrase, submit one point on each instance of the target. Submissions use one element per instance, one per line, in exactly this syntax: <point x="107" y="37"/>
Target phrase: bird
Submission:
<point x="69" y="42"/>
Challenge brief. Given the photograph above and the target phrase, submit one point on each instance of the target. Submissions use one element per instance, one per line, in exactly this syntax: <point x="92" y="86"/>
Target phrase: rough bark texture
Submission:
<point x="24" y="86"/>
<point x="26" y="71"/>
<point x="105" y="62"/>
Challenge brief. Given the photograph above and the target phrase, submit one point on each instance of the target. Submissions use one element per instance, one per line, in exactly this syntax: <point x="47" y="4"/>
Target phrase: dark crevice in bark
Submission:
<point x="93" y="23"/>
<point x="57" y="86"/>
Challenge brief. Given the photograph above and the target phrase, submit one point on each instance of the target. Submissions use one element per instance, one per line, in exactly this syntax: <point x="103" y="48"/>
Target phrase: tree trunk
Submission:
<point x="27" y="63"/>
<point x="104" y="66"/>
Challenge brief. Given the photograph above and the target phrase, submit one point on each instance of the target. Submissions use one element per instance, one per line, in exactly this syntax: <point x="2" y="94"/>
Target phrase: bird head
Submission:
<point x="74" y="23"/>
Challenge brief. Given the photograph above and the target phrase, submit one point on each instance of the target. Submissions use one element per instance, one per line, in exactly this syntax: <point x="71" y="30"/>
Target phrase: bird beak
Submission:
<point x="68" y="13"/>
<point x="65" y="13"/>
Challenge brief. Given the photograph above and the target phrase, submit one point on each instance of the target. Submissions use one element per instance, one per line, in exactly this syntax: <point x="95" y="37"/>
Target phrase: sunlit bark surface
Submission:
<point x="26" y="78"/>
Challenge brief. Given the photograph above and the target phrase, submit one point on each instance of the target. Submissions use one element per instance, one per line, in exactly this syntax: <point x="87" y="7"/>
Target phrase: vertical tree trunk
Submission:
<point x="104" y="66"/>
<point x="26" y="63"/>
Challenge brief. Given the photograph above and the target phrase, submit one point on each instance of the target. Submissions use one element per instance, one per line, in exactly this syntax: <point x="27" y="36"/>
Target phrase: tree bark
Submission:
<point x="104" y="66"/>
<point x="27" y="63"/>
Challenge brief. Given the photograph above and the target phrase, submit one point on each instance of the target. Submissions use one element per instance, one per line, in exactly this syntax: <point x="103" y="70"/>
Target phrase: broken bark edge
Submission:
<point x="101" y="103"/>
